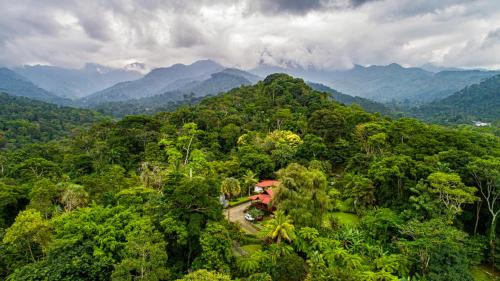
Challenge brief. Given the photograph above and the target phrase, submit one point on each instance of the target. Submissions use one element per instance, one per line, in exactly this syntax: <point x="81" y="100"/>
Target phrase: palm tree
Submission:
<point x="280" y="228"/>
<point x="249" y="180"/>
<point x="74" y="196"/>
<point x="230" y="186"/>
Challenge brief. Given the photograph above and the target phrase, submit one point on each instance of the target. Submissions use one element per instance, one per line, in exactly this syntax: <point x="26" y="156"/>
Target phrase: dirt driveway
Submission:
<point x="237" y="215"/>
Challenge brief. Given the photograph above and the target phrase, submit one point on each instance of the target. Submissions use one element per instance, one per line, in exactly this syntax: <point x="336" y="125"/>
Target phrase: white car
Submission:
<point x="249" y="217"/>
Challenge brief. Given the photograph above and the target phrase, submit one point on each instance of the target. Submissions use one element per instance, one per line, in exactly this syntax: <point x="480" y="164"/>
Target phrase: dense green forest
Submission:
<point x="366" y="104"/>
<point x="361" y="197"/>
<point x="24" y="121"/>
<point x="476" y="102"/>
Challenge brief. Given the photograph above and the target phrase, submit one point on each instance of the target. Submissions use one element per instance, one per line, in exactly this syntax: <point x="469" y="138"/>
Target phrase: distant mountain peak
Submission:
<point x="137" y="66"/>
<point x="394" y="65"/>
<point x="206" y="62"/>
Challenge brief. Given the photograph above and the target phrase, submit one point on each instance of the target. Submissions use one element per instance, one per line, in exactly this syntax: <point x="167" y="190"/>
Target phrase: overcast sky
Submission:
<point x="320" y="33"/>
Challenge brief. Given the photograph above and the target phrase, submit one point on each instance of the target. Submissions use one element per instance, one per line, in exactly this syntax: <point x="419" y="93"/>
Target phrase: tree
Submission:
<point x="389" y="172"/>
<point x="37" y="168"/>
<point x="327" y="124"/>
<point x="30" y="232"/>
<point x="145" y="254"/>
<point x="11" y="202"/>
<point x="188" y="134"/>
<point x="249" y="180"/>
<point x="44" y="197"/>
<point x="313" y="147"/>
<point x="87" y="243"/>
<point x="282" y="145"/>
<point x="230" y="134"/>
<point x="486" y="174"/>
<point x="281" y="116"/>
<point x="73" y="196"/>
<point x="289" y="267"/>
<point x="216" y="252"/>
<point x="230" y="186"/>
<point x="151" y="175"/>
<point x="451" y="192"/>
<point x="436" y="249"/>
<point x="279" y="228"/>
<point x="261" y="163"/>
<point x="302" y="195"/>
<point x="372" y="136"/>
<point x="360" y="189"/>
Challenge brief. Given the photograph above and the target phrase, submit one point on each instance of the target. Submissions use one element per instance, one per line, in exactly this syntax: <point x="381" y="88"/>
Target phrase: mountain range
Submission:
<point x="158" y="81"/>
<point x="375" y="88"/>
<point x="388" y="84"/>
<point x="78" y="83"/>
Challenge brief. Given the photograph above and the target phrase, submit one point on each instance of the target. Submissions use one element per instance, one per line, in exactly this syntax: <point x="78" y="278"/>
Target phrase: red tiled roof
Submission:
<point x="267" y="183"/>
<point x="265" y="197"/>
<point x="270" y="192"/>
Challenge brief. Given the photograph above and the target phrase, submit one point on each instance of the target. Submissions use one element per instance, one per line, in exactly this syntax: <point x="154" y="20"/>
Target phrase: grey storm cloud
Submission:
<point x="304" y="6"/>
<point x="243" y="33"/>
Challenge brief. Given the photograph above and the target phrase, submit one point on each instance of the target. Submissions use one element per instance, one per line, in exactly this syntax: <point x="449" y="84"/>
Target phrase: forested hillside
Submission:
<point x="360" y="197"/>
<point x="478" y="102"/>
<point x="189" y="94"/>
<point x="17" y="85"/>
<point x="366" y="104"/>
<point x="390" y="84"/>
<point x="24" y="121"/>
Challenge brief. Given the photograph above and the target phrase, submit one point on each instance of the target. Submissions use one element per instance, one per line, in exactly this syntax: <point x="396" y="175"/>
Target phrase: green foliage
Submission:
<point x="138" y="198"/>
<point x="215" y="249"/>
<point x="145" y="254"/>
<point x="24" y="121"/>
<point x="280" y="228"/>
<point x="230" y="186"/>
<point x="436" y="249"/>
<point x="204" y="275"/>
<point x="476" y="102"/>
<point x="30" y="234"/>
<point x="302" y="195"/>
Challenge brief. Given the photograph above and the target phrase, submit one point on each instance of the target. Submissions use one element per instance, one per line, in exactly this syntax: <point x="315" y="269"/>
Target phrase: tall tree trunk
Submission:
<point x="187" y="150"/>
<point x="493" y="241"/>
<point x="31" y="252"/>
<point x="478" y="209"/>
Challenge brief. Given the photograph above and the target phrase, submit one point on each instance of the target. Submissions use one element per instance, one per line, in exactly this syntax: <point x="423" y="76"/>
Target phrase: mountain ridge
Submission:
<point x="76" y="83"/>
<point x="18" y="85"/>
<point x="475" y="102"/>
<point x="157" y="81"/>
<point x="391" y="84"/>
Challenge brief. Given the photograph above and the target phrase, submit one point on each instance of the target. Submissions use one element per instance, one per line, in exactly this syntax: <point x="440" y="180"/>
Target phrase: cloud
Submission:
<point x="288" y="6"/>
<point x="243" y="33"/>
<point x="301" y="7"/>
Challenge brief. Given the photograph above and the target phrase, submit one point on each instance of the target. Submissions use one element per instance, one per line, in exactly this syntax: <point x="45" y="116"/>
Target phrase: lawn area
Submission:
<point x="483" y="273"/>
<point x="346" y="219"/>
<point x="238" y="201"/>
<point x="244" y="251"/>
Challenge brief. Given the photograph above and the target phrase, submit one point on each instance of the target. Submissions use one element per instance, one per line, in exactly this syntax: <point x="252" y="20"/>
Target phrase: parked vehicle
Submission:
<point x="249" y="217"/>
